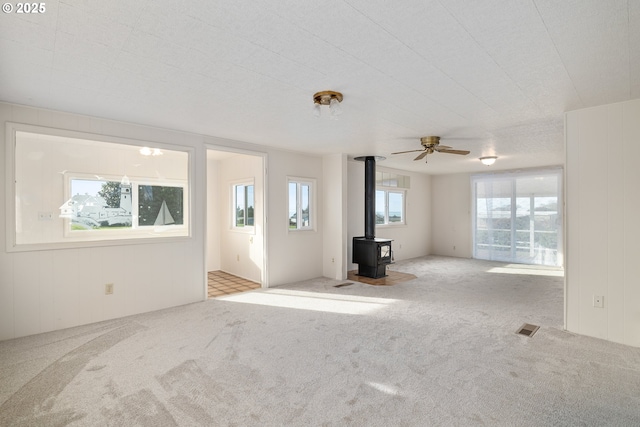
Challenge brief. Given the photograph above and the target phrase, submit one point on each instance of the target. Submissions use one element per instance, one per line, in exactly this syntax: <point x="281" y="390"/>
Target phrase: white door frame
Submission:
<point x="264" y="271"/>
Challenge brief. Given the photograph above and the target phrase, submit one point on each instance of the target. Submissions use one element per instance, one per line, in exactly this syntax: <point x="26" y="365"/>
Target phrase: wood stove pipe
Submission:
<point x="369" y="195"/>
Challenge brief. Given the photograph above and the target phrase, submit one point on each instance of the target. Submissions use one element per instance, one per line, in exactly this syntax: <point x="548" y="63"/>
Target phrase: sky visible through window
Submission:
<point x="395" y="206"/>
<point x="502" y="206"/>
<point x="85" y="186"/>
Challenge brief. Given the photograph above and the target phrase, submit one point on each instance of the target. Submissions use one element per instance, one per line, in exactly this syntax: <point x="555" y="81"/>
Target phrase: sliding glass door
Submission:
<point x="517" y="217"/>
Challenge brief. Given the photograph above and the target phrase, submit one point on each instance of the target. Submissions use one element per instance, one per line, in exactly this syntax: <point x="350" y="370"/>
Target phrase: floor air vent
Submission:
<point x="528" y="330"/>
<point x="343" y="284"/>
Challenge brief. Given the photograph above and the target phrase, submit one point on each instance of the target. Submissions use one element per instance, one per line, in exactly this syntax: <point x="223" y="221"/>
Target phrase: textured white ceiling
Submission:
<point x="490" y="76"/>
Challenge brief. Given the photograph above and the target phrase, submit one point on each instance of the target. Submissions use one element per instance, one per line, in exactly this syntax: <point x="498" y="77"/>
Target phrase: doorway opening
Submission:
<point x="235" y="241"/>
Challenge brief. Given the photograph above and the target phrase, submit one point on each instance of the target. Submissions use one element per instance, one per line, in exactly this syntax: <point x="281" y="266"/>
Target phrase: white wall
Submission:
<point x="241" y="251"/>
<point x="213" y="213"/>
<point x="451" y="215"/>
<point x="603" y="230"/>
<point x="410" y="240"/>
<point x="46" y="290"/>
<point x="292" y="255"/>
<point x="335" y="211"/>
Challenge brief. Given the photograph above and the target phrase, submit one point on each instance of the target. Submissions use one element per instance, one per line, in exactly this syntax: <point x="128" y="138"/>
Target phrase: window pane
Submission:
<point x="159" y="205"/>
<point x="304" y="205"/>
<point x="546" y="225"/>
<point x="396" y="207"/>
<point x="523" y="243"/>
<point x="97" y="205"/>
<point x="380" y="206"/>
<point x="250" y="205"/>
<point x="493" y="219"/>
<point x="293" y="204"/>
<point x="300" y="199"/>
<point x="239" y="205"/>
<point x="387" y="179"/>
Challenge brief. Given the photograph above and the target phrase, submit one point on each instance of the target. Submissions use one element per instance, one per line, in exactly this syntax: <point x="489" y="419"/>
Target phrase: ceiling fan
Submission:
<point x="431" y="144"/>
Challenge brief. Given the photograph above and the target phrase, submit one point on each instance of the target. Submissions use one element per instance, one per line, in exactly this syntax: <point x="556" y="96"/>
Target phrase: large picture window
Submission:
<point x="300" y="204"/>
<point x="517" y="217"/>
<point x="75" y="189"/>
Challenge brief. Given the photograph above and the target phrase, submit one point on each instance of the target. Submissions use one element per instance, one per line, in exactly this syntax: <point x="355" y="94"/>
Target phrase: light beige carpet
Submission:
<point x="437" y="350"/>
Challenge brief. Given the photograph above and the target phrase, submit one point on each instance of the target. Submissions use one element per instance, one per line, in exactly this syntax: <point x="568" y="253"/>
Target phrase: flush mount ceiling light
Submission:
<point x="488" y="160"/>
<point x="330" y="98"/>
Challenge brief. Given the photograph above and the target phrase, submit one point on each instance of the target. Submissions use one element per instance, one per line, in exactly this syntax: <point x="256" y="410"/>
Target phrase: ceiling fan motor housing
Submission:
<point x="430" y="141"/>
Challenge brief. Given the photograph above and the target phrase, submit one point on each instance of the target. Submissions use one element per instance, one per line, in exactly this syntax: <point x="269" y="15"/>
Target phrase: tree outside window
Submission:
<point x="244" y="205"/>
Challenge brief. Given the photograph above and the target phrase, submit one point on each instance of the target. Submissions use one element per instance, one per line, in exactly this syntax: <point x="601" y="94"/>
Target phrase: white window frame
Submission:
<point x="311" y="183"/>
<point x="403" y="221"/>
<point x="234" y="185"/>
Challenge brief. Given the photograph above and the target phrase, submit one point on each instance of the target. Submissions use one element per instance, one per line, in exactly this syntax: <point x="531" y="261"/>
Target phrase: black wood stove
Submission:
<point x="370" y="253"/>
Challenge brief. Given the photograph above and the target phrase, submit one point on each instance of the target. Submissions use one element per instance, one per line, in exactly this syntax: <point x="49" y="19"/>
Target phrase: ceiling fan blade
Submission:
<point x="462" y="152"/>
<point x="442" y="147"/>
<point x="402" y="152"/>
<point x="420" y="156"/>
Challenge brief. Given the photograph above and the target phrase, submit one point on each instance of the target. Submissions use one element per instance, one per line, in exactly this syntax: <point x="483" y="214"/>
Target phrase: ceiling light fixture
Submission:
<point x="488" y="160"/>
<point x="330" y="98"/>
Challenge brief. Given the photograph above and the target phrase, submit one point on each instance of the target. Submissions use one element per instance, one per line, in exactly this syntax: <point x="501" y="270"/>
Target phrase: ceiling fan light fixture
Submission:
<point x="488" y="160"/>
<point x="330" y="98"/>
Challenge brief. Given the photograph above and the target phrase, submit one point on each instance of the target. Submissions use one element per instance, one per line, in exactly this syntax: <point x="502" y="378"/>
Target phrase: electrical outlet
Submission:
<point x="45" y="216"/>
<point x="333" y="260"/>
<point x="238" y="257"/>
<point x="108" y="289"/>
<point x="598" y="301"/>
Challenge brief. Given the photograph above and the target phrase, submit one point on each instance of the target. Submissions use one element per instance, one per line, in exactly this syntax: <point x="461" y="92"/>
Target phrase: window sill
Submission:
<point x="244" y="230"/>
<point x="398" y="225"/>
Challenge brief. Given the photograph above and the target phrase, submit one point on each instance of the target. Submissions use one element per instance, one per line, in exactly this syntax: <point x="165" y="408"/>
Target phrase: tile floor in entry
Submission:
<point x="221" y="283"/>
